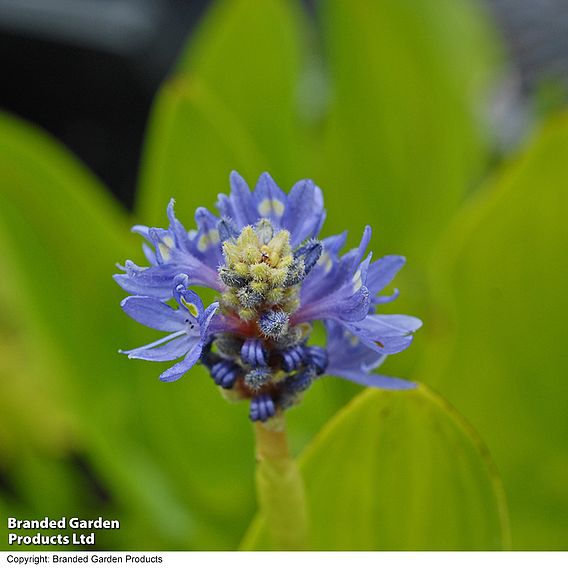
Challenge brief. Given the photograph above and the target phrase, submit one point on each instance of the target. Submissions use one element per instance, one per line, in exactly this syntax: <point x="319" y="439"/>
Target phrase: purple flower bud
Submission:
<point x="292" y="358"/>
<point x="225" y="373"/>
<point x="254" y="353"/>
<point x="262" y="408"/>
<point x="227" y="229"/>
<point x="316" y="356"/>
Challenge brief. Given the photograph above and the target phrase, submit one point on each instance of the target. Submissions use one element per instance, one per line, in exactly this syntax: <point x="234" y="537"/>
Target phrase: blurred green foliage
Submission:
<point x="379" y="103"/>
<point x="497" y="346"/>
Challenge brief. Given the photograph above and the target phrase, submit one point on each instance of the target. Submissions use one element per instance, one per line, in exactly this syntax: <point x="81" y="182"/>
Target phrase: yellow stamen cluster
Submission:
<point x="263" y="266"/>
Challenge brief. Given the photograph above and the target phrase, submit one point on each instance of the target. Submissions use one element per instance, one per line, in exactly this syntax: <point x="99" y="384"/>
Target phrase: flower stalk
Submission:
<point x="280" y="488"/>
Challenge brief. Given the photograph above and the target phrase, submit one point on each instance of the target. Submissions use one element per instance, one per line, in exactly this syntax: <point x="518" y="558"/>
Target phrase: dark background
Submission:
<point x="87" y="71"/>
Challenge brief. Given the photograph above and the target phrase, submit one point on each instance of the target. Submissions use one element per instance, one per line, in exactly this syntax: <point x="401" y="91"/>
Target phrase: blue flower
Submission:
<point x="274" y="277"/>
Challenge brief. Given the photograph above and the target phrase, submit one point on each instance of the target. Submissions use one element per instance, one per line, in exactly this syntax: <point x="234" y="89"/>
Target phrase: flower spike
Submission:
<point x="275" y="277"/>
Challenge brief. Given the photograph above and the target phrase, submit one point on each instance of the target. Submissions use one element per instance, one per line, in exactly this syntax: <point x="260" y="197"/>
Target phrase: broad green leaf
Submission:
<point x="499" y="351"/>
<point x="53" y="215"/>
<point x="251" y="54"/>
<point x="399" y="471"/>
<point x="59" y="236"/>
<point x="194" y="142"/>
<point x="150" y="445"/>
<point x="230" y="106"/>
<point x="403" y="142"/>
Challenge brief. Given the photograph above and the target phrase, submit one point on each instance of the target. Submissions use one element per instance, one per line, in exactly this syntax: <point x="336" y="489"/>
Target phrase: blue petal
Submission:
<point x="207" y="241"/>
<point x="205" y="319"/>
<point x="164" y="244"/>
<point x="239" y="206"/>
<point x="167" y="348"/>
<point x="350" y="358"/>
<point x="269" y="199"/>
<point x="304" y="211"/>
<point x="396" y="324"/>
<point x="335" y="243"/>
<point x="179" y="369"/>
<point x="188" y="300"/>
<point x="321" y="221"/>
<point x="325" y="274"/>
<point x="340" y="292"/>
<point x="382" y="272"/>
<point x="222" y="323"/>
<point x="377" y="300"/>
<point x="177" y="230"/>
<point x="386" y="334"/>
<point x="143" y="231"/>
<point x="149" y="254"/>
<point x="174" y="252"/>
<point x="344" y="305"/>
<point x="153" y="313"/>
<point x="346" y="350"/>
<point x="371" y="380"/>
<point x="153" y="281"/>
<point x="157" y="281"/>
<point x="351" y="260"/>
<point x="353" y="308"/>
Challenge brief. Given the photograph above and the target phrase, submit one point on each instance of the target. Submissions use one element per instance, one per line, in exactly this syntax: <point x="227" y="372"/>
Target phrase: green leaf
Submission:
<point x="194" y="142"/>
<point x="250" y="53"/>
<point x="399" y="471"/>
<point x="230" y="106"/>
<point x="403" y="140"/>
<point x="60" y="235"/>
<point x="498" y="350"/>
<point x="53" y="215"/>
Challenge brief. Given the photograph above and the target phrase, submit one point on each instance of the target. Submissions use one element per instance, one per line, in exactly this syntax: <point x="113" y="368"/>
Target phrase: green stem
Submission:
<point x="280" y="489"/>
